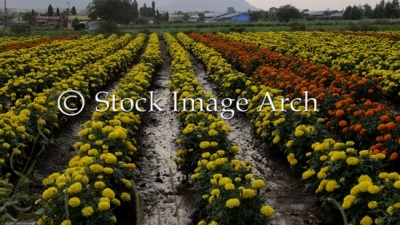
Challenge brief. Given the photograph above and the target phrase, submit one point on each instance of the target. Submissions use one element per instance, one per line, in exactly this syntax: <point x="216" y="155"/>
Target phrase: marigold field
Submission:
<point x="345" y="152"/>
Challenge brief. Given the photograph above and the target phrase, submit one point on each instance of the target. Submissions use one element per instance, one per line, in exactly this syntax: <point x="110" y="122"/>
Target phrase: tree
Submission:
<point x="201" y="18"/>
<point x="50" y="11"/>
<point x="231" y="10"/>
<point x="167" y="16"/>
<point x="153" y="9"/>
<point x="29" y="17"/>
<point x="368" y="12"/>
<point x="118" y="11"/>
<point x="287" y="12"/>
<point x="11" y="14"/>
<point x="347" y="13"/>
<point x="256" y="16"/>
<point x="379" y="10"/>
<point x="58" y="12"/>
<point x="186" y="17"/>
<point x="158" y="16"/>
<point x="73" y="10"/>
<point x="326" y="14"/>
<point x="356" y="13"/>
<point x="135" y="10"/>
<point x="143" y="10"/>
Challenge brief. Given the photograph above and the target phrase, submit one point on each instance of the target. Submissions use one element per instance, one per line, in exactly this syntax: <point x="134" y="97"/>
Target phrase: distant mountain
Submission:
<point x="210" y="5"/>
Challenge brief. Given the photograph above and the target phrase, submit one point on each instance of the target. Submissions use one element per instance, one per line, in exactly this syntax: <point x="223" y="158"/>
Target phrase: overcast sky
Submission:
<point x="263" y="4"/>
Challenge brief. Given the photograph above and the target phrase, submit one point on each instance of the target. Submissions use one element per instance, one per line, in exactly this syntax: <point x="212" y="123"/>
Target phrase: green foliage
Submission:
<point x="287" y="12"/>
<point x="20" y="29"/>
<point x="120" y="11"/>
<point x="50" y="11"/>
<point x="109" y="27"/>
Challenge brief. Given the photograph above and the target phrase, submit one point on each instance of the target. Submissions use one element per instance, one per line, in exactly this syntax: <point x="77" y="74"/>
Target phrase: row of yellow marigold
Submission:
<point x="26" y="73"/>
<point x="333" y="169"/>
<point x="229" y="192"/>
<point x="36" y="117"/>
<point x="99" y="178"/>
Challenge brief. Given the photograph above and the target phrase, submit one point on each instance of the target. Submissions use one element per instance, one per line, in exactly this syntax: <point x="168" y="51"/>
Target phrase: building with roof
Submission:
<point x="234" y="17"/>
<point x="48" y="20"/>
<point x="331" y="14"/>
<point x="208" y="17"/>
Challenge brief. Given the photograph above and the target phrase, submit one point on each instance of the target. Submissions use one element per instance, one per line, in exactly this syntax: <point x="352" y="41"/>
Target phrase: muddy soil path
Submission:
<point x="284" y="191"/>
<point x="157" y="143"/>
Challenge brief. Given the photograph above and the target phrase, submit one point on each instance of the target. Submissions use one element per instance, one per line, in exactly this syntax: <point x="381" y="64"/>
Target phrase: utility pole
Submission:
<point x="5" y="14"/>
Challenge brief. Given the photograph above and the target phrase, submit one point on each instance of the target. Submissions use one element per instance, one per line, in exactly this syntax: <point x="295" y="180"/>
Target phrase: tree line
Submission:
<point x="382" y="10"/>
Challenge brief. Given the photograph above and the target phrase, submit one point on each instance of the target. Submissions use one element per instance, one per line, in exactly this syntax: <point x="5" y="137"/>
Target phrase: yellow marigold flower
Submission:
<point x="41" y="122"/>
<point x="113" y="219"/>
<point x="258" y="184"/>
<point x="111" y="158"/>
<point x="206" y="155"/>
<point x="49" y="193"/>
<point x="307" y="174"/>
<point x="364" y="153"/>
<point x="87" y="211"/>
<point x="397" y="184"/>
<point x="205" y="144"/>
<point x="364" y="185"/>
<point x="352" y="161"/>
<point x="238" y="179"/>
<point x="298" y="133"/>
<point x="74" y="202"/>
<point x="235" y="149"/>
<point x="116" y="202"/>
<point x="289" y="143"/>
<point x="364" y="178"/>
<point x="96" y="168"/>
<point x="126" y="182"/>
<point x="267" y="211"/>
<point x="366" y="221"/>
<point x="233" y="202"/>
<point x="108" y="170"/>
<point x="103" y="206"/>
<point x="66" y="222"/>
<point x="202" y="223"/>
<point x="276" y="140"/>
<point x="249" y="176"/>
<point x="390" y="210"/>
<point x="394" y="176"/>
<point x="355" y="190"/>
<point x="213" y="223"/>
<point x="125" y="196"/>
<point x="229" y="186"/>
<point x="108" y="193"/>
<point x="331" y="185"/>
<point x="214" y="144"/>
<point x="248" y="193"/>
<point x="75" y="188"/>
<point x="338" y="155"/>
<point x="211" y="199"/>
<point x="350" y="143"/>
<point x="215" y="192"/>
<point x="205" y="196"/>
<point x="373" y="189"/>
<point x="323" y="158"/>
<point x="6" y="145"/>
<point x="348" y="201"/>
<point x="224" y="181"/>
<point x="372" y="204"/>
<point x="99" y="185"/>
<point x="308" y="154"/>
<point x="212" y="132"/>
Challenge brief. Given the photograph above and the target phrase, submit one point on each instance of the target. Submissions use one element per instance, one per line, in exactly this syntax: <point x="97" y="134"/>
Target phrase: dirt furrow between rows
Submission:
<point x="284" y="192"/>
<point x="157" y="142"/>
